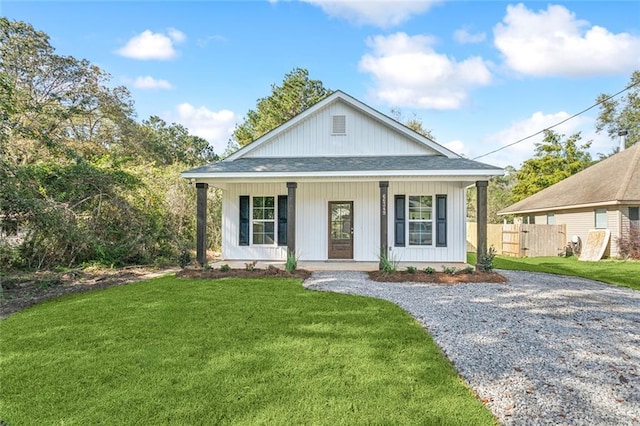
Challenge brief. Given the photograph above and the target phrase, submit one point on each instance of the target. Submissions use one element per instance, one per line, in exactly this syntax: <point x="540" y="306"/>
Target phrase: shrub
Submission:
<point x="251" y="266"/>
<point x="225" y="268"/>
<point x="272" y="269"/>
<point x="467" y="270"/>
<point x="485" y="262"/>
<point x="412" y="269"/>
<point x="629" y="245"/>
<point x="451" y="270"/>
<point x="429" y="270"/>
<point x="292" y="262"/>
<point x="388" y="263"/>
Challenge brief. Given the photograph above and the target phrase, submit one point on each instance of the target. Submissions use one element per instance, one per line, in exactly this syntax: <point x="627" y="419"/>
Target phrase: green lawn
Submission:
<point x="232" y="351"/>
<point x="616" y="272"/>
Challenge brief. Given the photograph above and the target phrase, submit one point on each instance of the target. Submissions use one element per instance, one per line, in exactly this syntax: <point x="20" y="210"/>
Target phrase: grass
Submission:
<point x="231" y="351"/>
<point x="622" y="273"/>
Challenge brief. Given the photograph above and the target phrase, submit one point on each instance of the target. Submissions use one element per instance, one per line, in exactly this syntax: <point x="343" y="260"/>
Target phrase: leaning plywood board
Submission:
<point x="596" y="244"/>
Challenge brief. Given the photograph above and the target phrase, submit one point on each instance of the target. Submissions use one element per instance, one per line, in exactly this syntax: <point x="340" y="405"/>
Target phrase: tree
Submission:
<point x="499" y="196"/>
<point x="169" y="144"/>
<point x="621" y="114"/>
<point x="78" y="173"/>
<point x="554" y="160"/>
<point x="296" y="94"/>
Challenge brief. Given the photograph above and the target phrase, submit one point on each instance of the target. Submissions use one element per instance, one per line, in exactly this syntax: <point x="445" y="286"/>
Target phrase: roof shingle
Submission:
<point x="614" y="179"/>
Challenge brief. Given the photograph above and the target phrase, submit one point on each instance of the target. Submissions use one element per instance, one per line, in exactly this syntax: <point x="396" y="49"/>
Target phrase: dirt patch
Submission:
<point x="242" y="273"/>
<point x="23" y="289"/>
<point x="437" y="277"/>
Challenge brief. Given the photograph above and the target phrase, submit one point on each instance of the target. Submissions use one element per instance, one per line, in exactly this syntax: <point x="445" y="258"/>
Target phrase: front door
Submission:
<point x="340" y="229"/>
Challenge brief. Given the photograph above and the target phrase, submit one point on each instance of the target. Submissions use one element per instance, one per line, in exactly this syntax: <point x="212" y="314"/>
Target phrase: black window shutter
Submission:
<point x="244" y="220"/>
<point x="441" y="220"/>
<point x="399" y="221"/>
<point x="282" y="220"/>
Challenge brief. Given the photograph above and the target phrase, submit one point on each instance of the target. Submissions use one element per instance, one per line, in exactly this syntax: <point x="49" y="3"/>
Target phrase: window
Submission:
<point x="264" y="214"/>
<point x="339" y="125"/>
<point x="551" y="218"/>
<point x="601" y="218"/>
<point x="634" y="215"/>
<point x="420" y="220"/>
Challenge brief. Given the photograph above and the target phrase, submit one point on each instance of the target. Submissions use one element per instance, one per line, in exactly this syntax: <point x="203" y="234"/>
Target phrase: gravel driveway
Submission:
<point x="541" y="349"/>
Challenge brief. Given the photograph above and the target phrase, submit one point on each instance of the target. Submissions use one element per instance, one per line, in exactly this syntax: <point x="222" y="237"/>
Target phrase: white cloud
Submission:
<point x="554" y="42"/>
<point x="407" y="72"/>
<point x="148" y="82"/>
<point x="150" y="45"/>
<point x="458" y="147"/>
<point x="463" y="36"/>
<point x="381" y="13"/>
<point x="516" y="154"/>
<point x="214" y="126"/>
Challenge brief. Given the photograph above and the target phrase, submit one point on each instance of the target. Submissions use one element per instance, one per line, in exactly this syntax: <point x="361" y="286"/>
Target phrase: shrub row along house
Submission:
<point x="342" y="181"/>
<point x="605" y="195"/>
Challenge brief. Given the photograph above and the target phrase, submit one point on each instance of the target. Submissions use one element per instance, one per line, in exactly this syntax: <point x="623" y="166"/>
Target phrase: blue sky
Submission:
<point x="479" y="74"/>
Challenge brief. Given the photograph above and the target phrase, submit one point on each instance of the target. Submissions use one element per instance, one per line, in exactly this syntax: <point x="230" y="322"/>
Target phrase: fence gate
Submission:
<point x="532" y="240"/>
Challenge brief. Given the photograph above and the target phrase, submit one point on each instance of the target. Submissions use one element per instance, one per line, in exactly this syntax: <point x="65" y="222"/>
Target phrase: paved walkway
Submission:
<point x="541" y="349"/>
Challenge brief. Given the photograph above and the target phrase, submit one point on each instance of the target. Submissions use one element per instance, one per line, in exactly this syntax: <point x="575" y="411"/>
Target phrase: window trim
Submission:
<point x="264" y="221"/>
<point x="595" y="218"/>
<point x="426" y="221"/>
<point x="551" y="218"/>
<point x="635" y="221"/>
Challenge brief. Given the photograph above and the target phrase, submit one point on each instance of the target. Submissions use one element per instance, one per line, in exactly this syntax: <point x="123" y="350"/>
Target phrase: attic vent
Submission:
<point x="339" y="125"/>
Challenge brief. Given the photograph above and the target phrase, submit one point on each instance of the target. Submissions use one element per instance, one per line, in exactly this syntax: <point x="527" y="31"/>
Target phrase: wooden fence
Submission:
<point x="494" y="236"/>
<point x="521" y="240"/>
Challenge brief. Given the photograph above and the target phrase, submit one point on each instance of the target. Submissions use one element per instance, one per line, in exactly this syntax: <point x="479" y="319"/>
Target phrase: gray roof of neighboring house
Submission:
<point x="341" y="164"/>
<point x="614" y="179"/>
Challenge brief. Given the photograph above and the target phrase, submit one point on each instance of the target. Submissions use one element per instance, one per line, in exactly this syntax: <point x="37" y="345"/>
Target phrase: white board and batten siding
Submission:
<point x="363" y="136"/>
<point x="312" y="205"/>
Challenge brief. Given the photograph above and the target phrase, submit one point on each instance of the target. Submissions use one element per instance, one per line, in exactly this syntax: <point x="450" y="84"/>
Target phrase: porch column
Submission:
<point x="291" y="217"/>
<point x="201" y="223"/>
<point x="384" y="224"/>
<point x="481" y="213"/>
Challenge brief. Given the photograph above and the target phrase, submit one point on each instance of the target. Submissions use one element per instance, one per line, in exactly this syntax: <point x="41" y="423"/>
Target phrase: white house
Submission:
<point x="341" y="181"/>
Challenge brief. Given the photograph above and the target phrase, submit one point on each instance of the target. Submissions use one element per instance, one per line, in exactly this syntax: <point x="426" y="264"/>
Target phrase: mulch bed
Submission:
<point x="242" y="273"/>
<point x="437" y="277"/>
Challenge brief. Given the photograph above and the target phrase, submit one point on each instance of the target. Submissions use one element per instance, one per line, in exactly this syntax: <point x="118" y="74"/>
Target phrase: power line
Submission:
<point x="559" y="123"/>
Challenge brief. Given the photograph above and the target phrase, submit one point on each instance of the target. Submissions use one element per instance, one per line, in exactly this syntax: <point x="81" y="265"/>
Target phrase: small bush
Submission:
<point x="429" y="270"/>
<point x="251" y="266"/>
<point x="485" y="263"/>
<point x="629" y="245"/>
<point x="272" y="269"/>
<point x="388" y="263"/>
<point x="225" y="268"/>
<point x="467" y="270"/>
<point x="450" y="270"/>
<point x="412" y="269"/>
<point x="292" y="262"/>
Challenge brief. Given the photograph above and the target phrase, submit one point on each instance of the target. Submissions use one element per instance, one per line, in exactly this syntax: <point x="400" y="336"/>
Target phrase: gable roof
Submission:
<point x="340" y="96"/>
<point x="614" y="180"/>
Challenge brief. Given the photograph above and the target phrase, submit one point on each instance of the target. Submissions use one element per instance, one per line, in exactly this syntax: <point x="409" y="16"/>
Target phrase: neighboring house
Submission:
<point x="605" y="195"/>
<point x="341" y="181"/>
